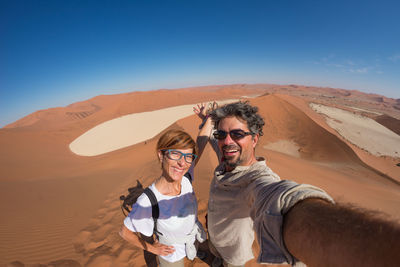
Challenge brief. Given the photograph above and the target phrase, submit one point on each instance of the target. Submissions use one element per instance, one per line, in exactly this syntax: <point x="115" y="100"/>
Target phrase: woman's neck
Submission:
<point x="167" y="186"/>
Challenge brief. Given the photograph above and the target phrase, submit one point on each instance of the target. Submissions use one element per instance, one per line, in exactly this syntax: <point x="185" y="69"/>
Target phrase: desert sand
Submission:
<point x="63" y="209"/>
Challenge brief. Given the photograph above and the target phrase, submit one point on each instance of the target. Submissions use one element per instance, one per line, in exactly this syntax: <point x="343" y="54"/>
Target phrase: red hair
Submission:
<point x="176" y="139"/>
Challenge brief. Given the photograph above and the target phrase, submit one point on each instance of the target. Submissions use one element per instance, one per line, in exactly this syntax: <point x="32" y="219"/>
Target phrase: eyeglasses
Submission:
<point x="234" y="134"/>
<point x="177" y="155"/>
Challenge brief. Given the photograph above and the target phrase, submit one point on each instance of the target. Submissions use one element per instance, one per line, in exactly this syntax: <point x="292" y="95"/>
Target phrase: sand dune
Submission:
<point x="389" y="122"/>
<point x="61" y="209"/>
<point x="284" y="121"/>
<point x="287" y="147"/>
<point x="362" y="131"/>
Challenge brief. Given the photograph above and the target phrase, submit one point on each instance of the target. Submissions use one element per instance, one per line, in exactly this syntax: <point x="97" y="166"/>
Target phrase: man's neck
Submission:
<point x="229" y="168"/>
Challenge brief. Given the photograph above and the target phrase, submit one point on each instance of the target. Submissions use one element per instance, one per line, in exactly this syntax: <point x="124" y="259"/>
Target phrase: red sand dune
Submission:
<point x="57" y="206"/>
<point x="389" y="122"/>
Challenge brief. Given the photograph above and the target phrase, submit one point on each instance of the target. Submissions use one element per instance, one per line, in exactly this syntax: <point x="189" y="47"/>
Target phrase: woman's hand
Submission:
<point x="202" y="110"/>
<point x="161" y="249"/>
<point x="136" y="240"/>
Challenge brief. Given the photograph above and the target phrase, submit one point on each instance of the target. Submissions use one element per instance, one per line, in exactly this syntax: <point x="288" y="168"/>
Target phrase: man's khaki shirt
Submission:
<point x="252" y="198"/>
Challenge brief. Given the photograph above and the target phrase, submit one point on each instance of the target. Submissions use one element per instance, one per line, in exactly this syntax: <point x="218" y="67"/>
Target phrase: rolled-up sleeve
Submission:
<point x="272" y="201"/>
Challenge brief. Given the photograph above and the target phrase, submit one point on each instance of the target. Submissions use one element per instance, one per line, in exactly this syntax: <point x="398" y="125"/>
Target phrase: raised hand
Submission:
<point x="212" y="106"/>
<point x="200" y="110"/>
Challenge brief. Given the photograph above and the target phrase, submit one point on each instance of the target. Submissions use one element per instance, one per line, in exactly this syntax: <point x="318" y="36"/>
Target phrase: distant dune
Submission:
<point x="63" y="209"/>
<point x="390" y="123"/>
<point x="361" y="131"/>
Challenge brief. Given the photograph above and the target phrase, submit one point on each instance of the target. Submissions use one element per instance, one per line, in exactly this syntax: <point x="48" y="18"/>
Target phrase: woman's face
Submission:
<point x="172" y="168"/>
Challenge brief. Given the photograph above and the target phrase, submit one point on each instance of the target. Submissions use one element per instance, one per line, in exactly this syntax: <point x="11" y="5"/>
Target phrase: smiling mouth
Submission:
<point x="230" y="151"/>
<point x="177" y="169"/>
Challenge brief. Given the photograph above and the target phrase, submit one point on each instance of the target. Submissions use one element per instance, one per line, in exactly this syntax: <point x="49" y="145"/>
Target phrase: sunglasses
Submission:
<point x="177" y="155"/>
<point x="234" y="134"/>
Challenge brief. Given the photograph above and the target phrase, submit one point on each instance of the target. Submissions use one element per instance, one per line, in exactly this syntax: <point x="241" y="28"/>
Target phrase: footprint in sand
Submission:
<point x="100" y="243"/>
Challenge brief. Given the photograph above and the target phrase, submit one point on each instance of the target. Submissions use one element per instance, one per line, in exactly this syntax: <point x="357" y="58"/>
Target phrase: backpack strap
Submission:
<point x="188" y="176"/>
<point x="155" y="210"/>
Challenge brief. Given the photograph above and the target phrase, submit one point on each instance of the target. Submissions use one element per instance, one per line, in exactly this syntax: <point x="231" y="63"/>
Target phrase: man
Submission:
<point x="293" y="222"/>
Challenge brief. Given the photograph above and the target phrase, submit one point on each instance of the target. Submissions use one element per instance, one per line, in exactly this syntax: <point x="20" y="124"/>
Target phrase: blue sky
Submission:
<point x="54" y="53"/>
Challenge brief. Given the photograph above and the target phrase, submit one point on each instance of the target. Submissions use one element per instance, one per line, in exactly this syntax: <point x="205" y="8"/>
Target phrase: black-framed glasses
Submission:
<point x="234" y="134"/>
<point x="177" y="155"/>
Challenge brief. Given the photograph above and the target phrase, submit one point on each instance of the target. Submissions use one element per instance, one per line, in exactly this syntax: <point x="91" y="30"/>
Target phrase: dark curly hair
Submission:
<point x="243" y="111"/>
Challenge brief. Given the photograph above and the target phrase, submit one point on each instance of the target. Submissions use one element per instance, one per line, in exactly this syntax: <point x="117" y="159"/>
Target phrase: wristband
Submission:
<point x="204" y="121"/>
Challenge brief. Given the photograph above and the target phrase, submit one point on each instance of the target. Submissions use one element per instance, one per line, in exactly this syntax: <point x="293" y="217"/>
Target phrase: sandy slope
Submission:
<point x="57" y="206"/>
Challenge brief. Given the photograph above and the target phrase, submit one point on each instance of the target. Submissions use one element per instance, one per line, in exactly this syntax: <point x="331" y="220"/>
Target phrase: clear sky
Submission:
<point x="54" y="53"/>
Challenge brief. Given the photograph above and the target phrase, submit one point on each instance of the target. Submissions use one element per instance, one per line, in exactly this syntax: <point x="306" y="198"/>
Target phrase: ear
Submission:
<point x="255" y="140"/>
<point x="160" y="155"/>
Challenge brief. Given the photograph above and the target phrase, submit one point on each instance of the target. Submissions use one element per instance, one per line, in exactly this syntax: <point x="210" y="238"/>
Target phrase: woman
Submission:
<point x="177" y="225"/>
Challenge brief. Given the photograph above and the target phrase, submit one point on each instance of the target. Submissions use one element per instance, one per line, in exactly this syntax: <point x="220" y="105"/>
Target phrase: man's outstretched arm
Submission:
<point x="319" y="233"/>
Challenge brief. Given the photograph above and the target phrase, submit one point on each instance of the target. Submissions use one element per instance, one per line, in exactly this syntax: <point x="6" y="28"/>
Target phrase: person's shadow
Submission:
<point x="149" y="258"/>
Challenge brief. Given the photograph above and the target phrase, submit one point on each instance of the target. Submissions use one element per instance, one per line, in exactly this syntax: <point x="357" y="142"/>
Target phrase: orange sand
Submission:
<point x="64" y="209"/>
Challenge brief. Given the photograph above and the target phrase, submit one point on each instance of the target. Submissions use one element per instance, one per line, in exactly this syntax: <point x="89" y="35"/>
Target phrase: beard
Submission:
<point x="232" y="162"/>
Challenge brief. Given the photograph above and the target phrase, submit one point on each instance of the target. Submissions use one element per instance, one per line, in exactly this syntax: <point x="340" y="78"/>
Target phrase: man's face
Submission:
<point x="236" y="152"/>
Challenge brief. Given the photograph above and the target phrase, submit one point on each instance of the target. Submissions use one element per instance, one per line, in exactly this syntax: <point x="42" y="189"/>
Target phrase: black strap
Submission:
<point x="155" y="210"/>
<point x="188" y="176"/>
